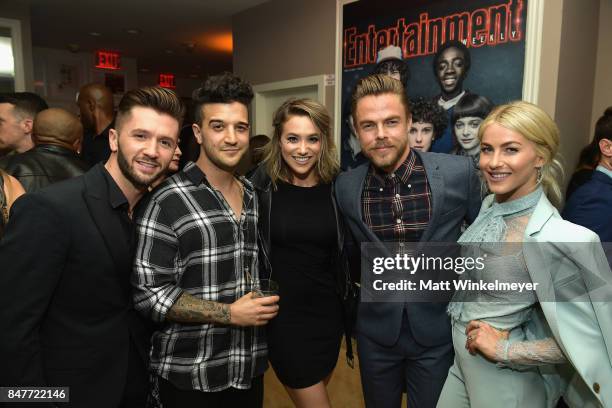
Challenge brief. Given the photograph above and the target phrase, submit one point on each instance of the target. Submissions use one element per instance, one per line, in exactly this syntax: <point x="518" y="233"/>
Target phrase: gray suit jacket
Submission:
<point x="456" y="195"/>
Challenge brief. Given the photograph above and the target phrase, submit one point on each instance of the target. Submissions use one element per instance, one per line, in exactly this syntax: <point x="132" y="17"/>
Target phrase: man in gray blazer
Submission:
<point x="402" y="195"/>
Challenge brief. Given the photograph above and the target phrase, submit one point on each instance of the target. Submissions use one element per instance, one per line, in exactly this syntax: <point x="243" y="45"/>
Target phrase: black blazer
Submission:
<point x="65" y="298"/>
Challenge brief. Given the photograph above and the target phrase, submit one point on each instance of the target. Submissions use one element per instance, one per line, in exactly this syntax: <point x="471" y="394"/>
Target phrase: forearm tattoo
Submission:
<point x="189" y="309"/>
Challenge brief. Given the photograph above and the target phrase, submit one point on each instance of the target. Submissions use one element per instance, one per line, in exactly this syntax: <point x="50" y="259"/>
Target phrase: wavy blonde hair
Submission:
<point x="538" y="127"/>
<point x="327" y="166"/>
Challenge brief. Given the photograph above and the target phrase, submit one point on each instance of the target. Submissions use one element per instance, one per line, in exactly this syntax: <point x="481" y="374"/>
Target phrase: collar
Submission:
<point x="115" y="195"/>
<point x="604" y="170"/>
<point x="197" y="176"/>
<point x="404" y="171"/>
<point x="451" y="102"/>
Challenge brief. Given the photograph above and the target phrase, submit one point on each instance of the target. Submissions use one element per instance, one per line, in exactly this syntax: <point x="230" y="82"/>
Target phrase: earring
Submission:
<point x="540" y="175"/>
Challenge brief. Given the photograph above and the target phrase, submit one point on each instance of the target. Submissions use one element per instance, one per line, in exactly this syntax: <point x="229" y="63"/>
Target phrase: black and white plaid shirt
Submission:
<point x="189" y="241"/>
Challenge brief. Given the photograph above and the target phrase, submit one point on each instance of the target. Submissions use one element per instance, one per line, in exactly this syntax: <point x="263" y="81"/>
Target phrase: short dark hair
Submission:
<point x="379" y="84"/>
<point x="26" y="104"/>
<point x="467" y="59"/>
<point x="160" y="99"/>
<point x="223" y="88"/>
<point x="471" y="105"/>
<point x="590" y="154"/>
<point x="394" y="64"/>
<point x="428" y="111"/>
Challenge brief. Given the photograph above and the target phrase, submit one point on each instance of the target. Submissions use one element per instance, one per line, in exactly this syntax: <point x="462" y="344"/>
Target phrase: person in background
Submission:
<point x="57" y="136"/>
<point x="451" y="66"/>
<point x="509" y="349"/>
<point x="591" y="203"/>
<point x="590" y="154"/>
<point x="428" y="123"/>
<point x="303" y="240"/>
<point x="467" y="116"/>
<point x="389" y="61"/>
<point x="17" y="112"/>
<point x="96" y="107"/>
<point x="10" y="190"/>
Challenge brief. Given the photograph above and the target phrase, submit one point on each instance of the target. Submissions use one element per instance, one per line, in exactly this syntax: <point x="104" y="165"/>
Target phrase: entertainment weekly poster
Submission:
<point x="492" y="30"/>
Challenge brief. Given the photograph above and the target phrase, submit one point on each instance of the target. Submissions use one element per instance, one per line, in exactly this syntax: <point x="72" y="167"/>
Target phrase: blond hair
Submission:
<point x="538" y="127"/>
<point x="327" y="166"/>
<point x="379" y="84"/>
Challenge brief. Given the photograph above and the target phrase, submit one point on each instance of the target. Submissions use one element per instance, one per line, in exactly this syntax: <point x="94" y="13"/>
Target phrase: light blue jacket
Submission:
<point x="567" y="258"/>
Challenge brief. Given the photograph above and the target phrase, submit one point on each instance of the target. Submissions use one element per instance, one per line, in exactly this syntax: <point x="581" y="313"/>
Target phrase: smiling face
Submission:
<point x="466" y="131"/>
<point x="143" y="145"/>
<point x="451" y="70"/>
<point x="300" y="145"/>
<point x="382" y="126"/>
<point x="420" y="136"/>
<point x="509" y="163"/>
<point x="223" y="134"/>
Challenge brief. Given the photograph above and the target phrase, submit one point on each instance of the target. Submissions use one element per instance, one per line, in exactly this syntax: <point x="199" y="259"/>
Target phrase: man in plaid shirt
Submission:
<point x="196" y="262"/>
<point x="402" y="196"/>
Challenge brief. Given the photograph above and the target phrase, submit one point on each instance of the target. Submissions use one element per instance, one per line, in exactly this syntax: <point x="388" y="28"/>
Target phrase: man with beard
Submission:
<point x="96" y="108"/>
<point x="451" y="65"/>
<point x="65" y="297"/>
<point x="196" y="264"/>
<point x="402" y="196"/>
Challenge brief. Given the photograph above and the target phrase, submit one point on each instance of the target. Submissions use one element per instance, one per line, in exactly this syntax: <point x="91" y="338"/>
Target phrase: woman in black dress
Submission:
<point x="301" y="250"/>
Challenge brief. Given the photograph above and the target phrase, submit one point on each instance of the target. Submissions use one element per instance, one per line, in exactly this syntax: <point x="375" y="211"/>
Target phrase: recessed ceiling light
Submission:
<point x="133" y="31"/>
<point x="94" y="33"/>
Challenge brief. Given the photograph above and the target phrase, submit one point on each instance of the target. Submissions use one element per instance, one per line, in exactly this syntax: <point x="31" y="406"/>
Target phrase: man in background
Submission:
<point x="591" y="204"/>
<point x="57" y="135"/>
<point x="96" y="108"/>
<point x="17" y="112"/>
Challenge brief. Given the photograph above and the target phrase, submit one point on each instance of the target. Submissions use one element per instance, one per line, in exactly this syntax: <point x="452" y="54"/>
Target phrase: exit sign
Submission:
<point x="166" y="81"/>
<point x="108" y="60"/>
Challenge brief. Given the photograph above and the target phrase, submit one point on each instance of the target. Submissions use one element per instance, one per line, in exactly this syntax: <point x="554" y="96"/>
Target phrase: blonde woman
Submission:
<point x="10" y="190"/>
<point x="302" y="248"/>
<point x="512" y="353"/>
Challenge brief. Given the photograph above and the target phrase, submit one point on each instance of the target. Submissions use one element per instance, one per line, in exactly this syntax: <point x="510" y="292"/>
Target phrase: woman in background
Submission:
<point x="302" y="250"/>
<point x="10" y="190"/>
<point x="513" y="351"/>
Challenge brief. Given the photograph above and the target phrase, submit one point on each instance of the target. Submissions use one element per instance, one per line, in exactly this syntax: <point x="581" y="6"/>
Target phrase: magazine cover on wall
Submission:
<point x="456" y="59"/>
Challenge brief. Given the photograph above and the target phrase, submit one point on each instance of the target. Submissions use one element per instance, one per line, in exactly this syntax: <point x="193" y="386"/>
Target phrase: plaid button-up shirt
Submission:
<point x="189" y="241"/>
<point x="397" y="206"/>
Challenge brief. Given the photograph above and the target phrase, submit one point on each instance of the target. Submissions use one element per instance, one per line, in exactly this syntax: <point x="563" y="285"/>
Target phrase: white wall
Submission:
<point x="603" y="71"/>
<point x="59" y="74"/>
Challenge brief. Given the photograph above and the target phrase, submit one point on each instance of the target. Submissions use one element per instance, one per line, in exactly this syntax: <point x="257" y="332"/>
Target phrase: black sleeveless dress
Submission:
<point x="304" y="338"/>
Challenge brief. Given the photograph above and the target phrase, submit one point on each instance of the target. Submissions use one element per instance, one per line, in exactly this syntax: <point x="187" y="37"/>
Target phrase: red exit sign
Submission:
<point x="167" y="81"/>
<point x="108" y="60"/>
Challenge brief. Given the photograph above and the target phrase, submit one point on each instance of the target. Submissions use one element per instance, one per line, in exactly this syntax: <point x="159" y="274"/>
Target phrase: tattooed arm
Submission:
<point x="246" y="311"/>
<point x="189" y="309"/>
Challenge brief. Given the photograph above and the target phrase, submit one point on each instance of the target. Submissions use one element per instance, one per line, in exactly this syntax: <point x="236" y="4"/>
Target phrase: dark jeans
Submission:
<point x="407" y="365"/>
<point x="172" y="397"/>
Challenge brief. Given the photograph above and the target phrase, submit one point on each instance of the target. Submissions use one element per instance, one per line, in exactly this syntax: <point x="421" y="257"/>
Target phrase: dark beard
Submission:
<point x="128" y="173"/>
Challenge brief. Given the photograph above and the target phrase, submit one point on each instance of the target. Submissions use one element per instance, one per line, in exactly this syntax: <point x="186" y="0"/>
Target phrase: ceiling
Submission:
<point x="185" y="37"/>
